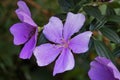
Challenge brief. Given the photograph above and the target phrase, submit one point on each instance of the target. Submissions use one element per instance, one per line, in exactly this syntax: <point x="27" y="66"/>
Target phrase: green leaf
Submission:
<point x="66" y="5"/>
<point x="114" y="4"/>
<point x="77" y="1"/>
<point x="79" y="5"/>
<point x="114" y="18"/>
<point x="110" y="11"/>
<point x="102" y="50"/>
<point x="41" y="39"/>
<point x="62" y="16"/>
<point x="116" y="51"/>
<point x="97" y="24"/>
<point x="110" y="34"/>
<point x="93" y="11"/>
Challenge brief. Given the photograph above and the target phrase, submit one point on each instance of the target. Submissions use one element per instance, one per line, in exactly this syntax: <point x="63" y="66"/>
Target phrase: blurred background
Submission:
<point x="14" y="68"/>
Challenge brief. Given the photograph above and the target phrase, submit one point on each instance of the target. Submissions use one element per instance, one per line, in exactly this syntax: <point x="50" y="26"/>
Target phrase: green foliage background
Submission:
<point x="14" y="68"/>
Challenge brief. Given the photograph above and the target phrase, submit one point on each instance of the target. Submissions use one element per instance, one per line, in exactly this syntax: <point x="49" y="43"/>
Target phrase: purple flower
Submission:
<point x="103" y="69"/>
<point x="24" y="32"/>
<point x="63" y="44"/>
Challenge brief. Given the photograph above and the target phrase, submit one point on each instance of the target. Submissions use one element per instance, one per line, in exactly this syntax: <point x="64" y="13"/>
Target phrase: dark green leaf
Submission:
<point x="62" y="16"/>
<point x="114" y="18"/>
<point x="93" y="11"/>
<point x="66" y="5"/>
<point x="102" y="49"/>
<point x="77" y="1"/>
<point x="79" y="5"/>
<point x="110" y="11"/>
<point x="114" y="4"/>
<point x="91" y="44"/>
<point x="97" y="24"/>
<point x="110" y="34"/>
<point x="116" y="51"/>
<point x="42" y="39"/>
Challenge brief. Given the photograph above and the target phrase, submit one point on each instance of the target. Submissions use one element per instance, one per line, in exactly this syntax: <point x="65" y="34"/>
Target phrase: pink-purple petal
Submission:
<point x="28" y="48"/>
<point x="115" y="71"/>
<point x="110" y="66"/>
<point x="21" y="32"/>
<point x="79" y="44"/>
<point x="46" y="53"/>
<point x="64" y="62"/>
<point x="25" y="18"/>
<point x="53" y="30"/>
<point x="23" y="7"/>
<point x="99" y="72"/>
<point x="24" y="14"/>
<point x="103" y="69"/>
<point x="73" y="23"/>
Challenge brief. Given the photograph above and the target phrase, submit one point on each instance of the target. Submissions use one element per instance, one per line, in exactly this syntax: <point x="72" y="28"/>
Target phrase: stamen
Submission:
<point x="65" y="43"/>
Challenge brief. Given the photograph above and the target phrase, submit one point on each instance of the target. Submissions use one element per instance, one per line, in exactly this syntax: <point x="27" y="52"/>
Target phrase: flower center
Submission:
<point x="32" y="32"/>
<point x="65" y="43"/>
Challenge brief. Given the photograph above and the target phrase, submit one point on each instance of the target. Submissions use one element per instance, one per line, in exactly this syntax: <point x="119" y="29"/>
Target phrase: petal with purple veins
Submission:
<point x="25" y="18"/>
<point x="73" y="23"/>
<point x="23" y="8"/>
<point x="28" y="48"/>
<point x="64" y="62"/>
<point x="21" y="32"/>
<point x="115" y="71"/>
<point x="99" y="72"/>
<point x="79" y="44"/>
<point x="24" y="14"/>
<point x="53" y="30"/>
<point x="110" y="65"/>
<point x="103" y="69"/>
<point x="46" y="53"/>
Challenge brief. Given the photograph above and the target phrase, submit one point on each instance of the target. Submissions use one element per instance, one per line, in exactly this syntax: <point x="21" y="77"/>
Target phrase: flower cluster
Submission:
<point x="62" y="43"/>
